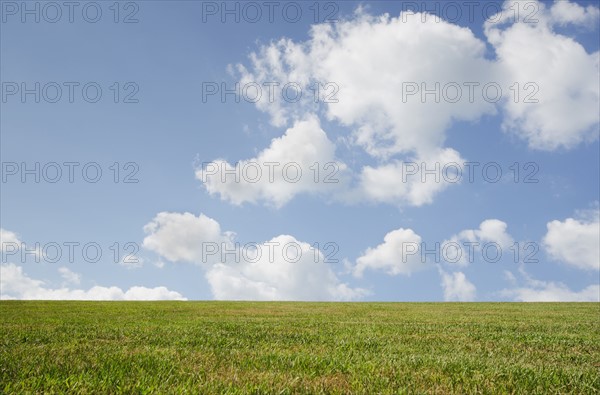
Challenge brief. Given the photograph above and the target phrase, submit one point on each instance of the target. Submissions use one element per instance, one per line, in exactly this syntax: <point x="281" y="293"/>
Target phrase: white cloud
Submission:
<point x="490" y="231"/>
<point x="11" y="246"/>
<point x="281" y="171"/>
<point x="377" y="62"/>
<point x="398" y="254"/>
<point x="508" y="276"/>
<point x="457" y="287"/>
<point x="280" y="63"/>
<point x="282" y="268"/>
<point x="69" y="276"/>
<point x="183" y="237"/>
<point x="299" y="273"/>
<point x="554" y="292"/>
<point x="567" y="76"/>
<point x="15" y="284"/>
<point x="355" y="55"/>
<point x="370" y="104"/>
<point x="8" y="241"/>
<point x="157" y="293"/>
<point x="131" y="261"/>
<point x="408" y="181"/>
<point x="543" y="291"/>
<point x="564" y="12"/>
<point x="305" y="146"/>
<point x="575" y="242"/>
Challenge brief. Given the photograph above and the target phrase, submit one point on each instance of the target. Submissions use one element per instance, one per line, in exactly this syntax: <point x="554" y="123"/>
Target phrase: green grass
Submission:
<point x="281" y="348"/>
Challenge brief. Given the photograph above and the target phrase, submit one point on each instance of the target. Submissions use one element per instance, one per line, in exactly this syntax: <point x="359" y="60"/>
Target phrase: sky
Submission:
<point x="330" y="151"/>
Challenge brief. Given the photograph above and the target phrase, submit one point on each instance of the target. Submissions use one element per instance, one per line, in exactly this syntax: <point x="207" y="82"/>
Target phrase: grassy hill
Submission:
<point x="289" y="347"/>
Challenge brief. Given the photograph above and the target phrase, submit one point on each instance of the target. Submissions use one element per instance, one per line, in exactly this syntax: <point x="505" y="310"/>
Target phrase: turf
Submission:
<point x="281" y="348"/>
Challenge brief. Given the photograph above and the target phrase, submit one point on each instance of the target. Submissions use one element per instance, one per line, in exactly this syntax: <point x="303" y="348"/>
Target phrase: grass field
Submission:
<point x="246" y="347"/>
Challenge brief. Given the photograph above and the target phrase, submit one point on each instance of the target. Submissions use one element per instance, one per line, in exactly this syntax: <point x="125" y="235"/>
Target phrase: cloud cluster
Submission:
<point x="16" y="284"/>
<point x="400" y="253"/>
<point x="404" y="81"/>
<point x="549" y="291"/>
<point x="565" y="12"/>
<point x="566" y="113"/>
<point x="303" y="161"/>
<point x="401" y="250"/>
<point x="282" y="268"/>
<point x="371" y="59"/>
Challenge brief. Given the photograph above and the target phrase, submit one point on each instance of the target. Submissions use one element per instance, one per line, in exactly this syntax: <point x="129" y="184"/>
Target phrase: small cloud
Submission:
<point x="132" y="261"/>
<point x="457" y="287"/>
<point x="508" y="276"/>
<point x="575" y="241"/>
<point x="490" y="231"/>
<point x="398" y="254"/>
<point x="69" y="276"/>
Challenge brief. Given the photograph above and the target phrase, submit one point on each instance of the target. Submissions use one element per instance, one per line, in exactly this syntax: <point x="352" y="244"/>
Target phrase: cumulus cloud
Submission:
<point x="184" y="237"/>
<point x="398" y="254"/>
<point x="457" y="288"/>
<point x="293" y="270"/>
<point x="400" y="84"/>
<point x="383" y="114"/>
<point x="16" y="284"/>
<point x="373" y="92"/>
<point x="575" y="241"/>
<point x="8" y="239"/>
<point x="69" y="276"/>
<point x="566" y="77"/>
<point x="456" y="249"/>
<point x="11" y="246"/>
<point x="301" y="161"/>
<point x="549" y="291"/>
<point x="381" y="96"/>
<point x="408" y="182"/>
<point x="282" y="268"/>
<point x="566" y="12"/>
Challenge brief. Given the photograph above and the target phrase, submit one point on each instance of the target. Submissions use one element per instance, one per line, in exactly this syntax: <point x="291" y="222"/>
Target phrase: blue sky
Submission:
<point x="368" y="221"/>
